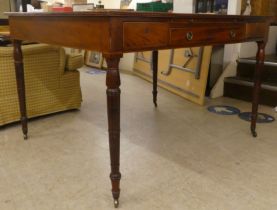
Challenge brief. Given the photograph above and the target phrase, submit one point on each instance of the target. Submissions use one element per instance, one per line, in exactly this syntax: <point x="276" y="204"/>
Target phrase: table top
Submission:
<point x="120" y="31"/>
<point x="4" y="22"/>
<point x="4" y="31"/>
<point x="274" y="22"/>
<point x="128" y="13"/>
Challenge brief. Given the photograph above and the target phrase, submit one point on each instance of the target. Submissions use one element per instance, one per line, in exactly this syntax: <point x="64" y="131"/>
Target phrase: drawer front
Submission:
<point x="144" y="35"/>
<point x="205" y="35"/>
<point x="256" y="30"/>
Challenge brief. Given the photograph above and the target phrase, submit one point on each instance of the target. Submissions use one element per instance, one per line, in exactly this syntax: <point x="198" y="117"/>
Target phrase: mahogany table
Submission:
<point x="116" y="32"/>
<point x="274" y="21"/>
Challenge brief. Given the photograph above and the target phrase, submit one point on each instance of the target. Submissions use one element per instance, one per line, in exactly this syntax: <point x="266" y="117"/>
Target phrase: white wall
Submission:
<point x="110" y="4"/>
<point x="249" y="49"/>
<point x="232" y="51"/>
<point x="5" y="7"/>
<point x="127" y="62"/>
<point x="183" y="6"/>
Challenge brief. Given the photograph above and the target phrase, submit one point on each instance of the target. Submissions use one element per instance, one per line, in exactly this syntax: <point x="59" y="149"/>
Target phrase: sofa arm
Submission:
<point x="74" y="61"/>
<point x="43" y="64"/>
<point x="32" y="51"/>
<point x="29" y="49"/>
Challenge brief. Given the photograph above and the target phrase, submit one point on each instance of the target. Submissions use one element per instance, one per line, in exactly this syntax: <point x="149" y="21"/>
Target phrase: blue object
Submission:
<point x="224" y="110"/>
<point x="95" y="71"/>
<point x="220" y="4"/>
<point x="262" y="118"/>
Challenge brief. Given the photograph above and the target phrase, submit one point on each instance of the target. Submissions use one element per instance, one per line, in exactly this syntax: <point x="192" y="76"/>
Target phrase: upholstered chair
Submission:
<point x="51" y="77"/>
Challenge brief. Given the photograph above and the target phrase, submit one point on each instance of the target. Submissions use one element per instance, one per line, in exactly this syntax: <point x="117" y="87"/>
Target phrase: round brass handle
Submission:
<point x="233" y="34"/>
<point x="189" y="36"/>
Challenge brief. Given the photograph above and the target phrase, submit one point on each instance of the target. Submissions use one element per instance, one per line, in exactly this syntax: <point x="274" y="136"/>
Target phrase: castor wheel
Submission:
<point x="116" y="203"/>
<point x="25" y="136"/>
<point x="254" y="134"/>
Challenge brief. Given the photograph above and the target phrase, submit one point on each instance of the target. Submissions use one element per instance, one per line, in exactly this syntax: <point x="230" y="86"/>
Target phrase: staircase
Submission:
<point x="240" y="86"/>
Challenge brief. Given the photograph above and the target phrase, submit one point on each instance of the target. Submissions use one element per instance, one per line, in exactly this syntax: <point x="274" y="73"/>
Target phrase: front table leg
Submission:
<point x="155" y="76"/>
<point x="113" y="105"/>
<point x="257" y="85"/>
<point x="20" y="81"/>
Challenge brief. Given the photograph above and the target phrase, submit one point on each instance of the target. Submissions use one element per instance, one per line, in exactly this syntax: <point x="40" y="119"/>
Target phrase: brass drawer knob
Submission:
<point x="233" y="34"/>
<point x="189" y="36"/>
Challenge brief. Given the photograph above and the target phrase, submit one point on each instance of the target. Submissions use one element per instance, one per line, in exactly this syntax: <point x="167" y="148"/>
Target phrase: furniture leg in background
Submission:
<point x="113" y="106"/>
<point x="20" y="81"/>
<point x="155" y="75"/>
<point x="257" y="85"/>
<point x="24" y="5"/>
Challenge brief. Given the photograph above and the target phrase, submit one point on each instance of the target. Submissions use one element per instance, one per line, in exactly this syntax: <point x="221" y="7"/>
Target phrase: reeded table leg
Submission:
<point x="155" y="76"/>
<point x="113" y="103"/>
<point x="20" y="81"/>
<point x="257" y="85"/>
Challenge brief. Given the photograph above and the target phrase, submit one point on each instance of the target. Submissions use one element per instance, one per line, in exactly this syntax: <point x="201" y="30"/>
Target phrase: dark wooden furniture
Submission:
<point x="263" y="7"/>
<point x="274" y="21"/>
<point x="4" y="40"/>
<point x="4" y="34"/>
<point x="241" y="85"/>
<point x="116" y="32"/>
<point x="4" y="22"/>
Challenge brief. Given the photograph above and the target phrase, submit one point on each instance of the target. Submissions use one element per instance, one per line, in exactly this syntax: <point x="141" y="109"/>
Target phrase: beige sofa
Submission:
<point x="51" y="77"/>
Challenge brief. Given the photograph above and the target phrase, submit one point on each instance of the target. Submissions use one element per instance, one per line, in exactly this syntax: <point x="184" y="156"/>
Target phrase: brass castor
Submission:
<point x="25" y="136"/>
<point x="116" y="203"/>
<point x="254" y="133"/>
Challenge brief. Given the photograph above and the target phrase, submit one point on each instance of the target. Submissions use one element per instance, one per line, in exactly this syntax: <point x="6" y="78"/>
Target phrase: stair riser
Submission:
<point x="247" y="71"/>
<point x="242" y="92"/>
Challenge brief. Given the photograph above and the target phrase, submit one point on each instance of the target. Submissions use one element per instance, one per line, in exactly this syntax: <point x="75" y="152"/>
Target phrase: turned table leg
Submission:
<point x="257" y="85"/>
<point x="20" y="81"/>
<point x="155" y="75"/>
<point x="113" y="105"/>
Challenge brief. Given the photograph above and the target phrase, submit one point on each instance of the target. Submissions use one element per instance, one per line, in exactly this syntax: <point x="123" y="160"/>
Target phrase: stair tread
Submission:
<point x="241" y="86"/>
<point x="243" y="90"/>
<point x="249" y="80"/>
<point x="269" y="60"/>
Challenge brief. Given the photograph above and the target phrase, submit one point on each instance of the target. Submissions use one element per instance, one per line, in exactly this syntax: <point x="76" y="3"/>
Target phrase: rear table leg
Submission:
<point x="257" y="85"/>
<point x="20" y="81"/>
<point x="155" y="76"/>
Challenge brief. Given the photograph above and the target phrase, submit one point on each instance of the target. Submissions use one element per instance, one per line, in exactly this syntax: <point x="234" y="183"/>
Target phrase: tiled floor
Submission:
<point x="176" y="157"/>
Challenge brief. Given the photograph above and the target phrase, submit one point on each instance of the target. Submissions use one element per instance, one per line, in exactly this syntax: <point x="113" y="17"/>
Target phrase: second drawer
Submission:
<point x="195" y="35"/>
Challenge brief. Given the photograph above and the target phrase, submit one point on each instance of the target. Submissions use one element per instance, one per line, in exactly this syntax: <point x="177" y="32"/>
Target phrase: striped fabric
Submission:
<point x="50" y="87"/>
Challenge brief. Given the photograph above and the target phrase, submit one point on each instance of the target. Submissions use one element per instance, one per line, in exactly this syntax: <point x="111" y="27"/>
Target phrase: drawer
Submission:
<point x="144" y="35"/>
<point x="256" y="30"/>
<point x="201" y="34"/>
